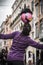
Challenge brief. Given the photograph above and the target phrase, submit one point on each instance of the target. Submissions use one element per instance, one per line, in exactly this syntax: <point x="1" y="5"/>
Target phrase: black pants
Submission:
<point x="15" y="62"/>
<point x="3" y="62"/>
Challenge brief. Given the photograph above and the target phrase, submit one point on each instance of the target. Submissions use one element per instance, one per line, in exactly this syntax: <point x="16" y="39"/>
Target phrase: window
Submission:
<point x="32" y="5"/>
<point x="21" y="24"/>
<point x="37" y="9"/>
<point x="6" y="28"/>
<point x="15" y="29"/>
<point x="33" y="35"/>
<point x="36" y="1"/>
<point x="24" y="6"/>
<point x="0" y="44"/>
<point x="29" y="54"/>
<point x="4" y="42"/>
<point x="41" y="30"/>
<point x="37" y="30"/>
<point x="32" y="23"/>
<point x="41" y="26"/>
<point x="41" y="6"/>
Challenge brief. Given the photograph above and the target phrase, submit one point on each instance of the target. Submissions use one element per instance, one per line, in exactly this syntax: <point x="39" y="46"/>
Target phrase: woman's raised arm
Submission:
<point x="35" y="44"/>
<point x="8" y="36"/>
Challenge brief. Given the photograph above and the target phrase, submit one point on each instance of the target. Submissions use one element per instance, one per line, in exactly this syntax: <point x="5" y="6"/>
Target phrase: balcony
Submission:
<point x="36" y="1"/>
<point x="6" y="21"/>
<point x="14" y="20"/>
<point x="41" y="37"/>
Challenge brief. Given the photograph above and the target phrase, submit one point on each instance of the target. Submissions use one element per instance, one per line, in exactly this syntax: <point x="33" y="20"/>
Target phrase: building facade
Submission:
<point x="8" y="30"/>
<point x="14" y="23"/>
<point x="5" y="29"/>
<point x="39" y="28"/>
<point x="2" y="42"/>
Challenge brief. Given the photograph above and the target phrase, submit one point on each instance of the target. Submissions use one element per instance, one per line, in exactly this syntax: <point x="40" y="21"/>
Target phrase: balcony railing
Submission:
<point x="14" y="20"/>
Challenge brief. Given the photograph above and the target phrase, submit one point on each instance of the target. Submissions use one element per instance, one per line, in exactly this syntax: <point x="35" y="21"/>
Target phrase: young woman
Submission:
<point x="21" y="40"/>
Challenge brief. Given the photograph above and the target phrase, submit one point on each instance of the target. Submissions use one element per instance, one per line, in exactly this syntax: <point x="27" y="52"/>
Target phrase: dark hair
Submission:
<point x="26" y="29"/>
<point x="28" y="25"/>
<point x="26" y="10"/>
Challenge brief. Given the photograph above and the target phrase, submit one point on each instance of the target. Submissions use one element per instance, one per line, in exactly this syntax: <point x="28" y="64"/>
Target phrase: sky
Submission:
<point x="5" y="9"/>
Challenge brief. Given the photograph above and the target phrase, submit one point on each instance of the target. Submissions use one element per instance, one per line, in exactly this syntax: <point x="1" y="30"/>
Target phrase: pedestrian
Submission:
<point x="6" y="52"/>
<point x="0" y="54"/>
<point x="21" y="40"/>
<point x="3" y="58"/>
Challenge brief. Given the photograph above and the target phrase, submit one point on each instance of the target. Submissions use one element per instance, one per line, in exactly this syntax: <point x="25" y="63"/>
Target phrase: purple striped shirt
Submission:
<point x="20" y="43"/>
